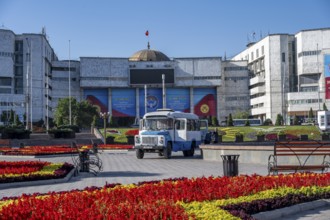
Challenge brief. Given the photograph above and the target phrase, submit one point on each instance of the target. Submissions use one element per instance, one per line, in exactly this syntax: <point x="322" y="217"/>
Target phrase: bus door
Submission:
<point x="180" y="133"/>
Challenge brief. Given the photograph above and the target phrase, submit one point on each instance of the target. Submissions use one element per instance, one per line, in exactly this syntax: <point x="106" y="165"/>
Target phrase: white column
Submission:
<point x="109" y="103"/>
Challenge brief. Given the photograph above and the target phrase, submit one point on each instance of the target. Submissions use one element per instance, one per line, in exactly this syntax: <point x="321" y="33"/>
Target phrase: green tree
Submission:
<point x="82" y="113"/>
<point x="214" y="121"/>
<point x="230" y="121"/>
<point x="241" y="115"/>
<point x="325" y="107"/>
<point x="310" y="115"/>
<point x="279" y="120"/>
<point x="247" y="123"/>
<point x="295" y="120"/>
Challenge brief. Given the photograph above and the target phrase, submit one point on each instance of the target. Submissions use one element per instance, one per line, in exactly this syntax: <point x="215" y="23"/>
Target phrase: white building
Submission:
<point x="287" y="73"/>
<point x="25" y="64"/>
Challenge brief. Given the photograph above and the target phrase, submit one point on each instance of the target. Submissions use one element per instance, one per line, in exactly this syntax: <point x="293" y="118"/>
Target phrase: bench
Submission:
<point x="302" y="151"/>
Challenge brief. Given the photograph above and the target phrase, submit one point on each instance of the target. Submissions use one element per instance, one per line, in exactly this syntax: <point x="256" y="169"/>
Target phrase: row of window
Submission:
<point x="235" y="68"/>
<point x="259" y="105"/>
<point x="6" y="54"/>
<point x="304" y="101"/>
<point x="257" y="85"/>
<point x="309" y="53"/>
<point x="3" y="103"/>
<point x="72" y="69"/>
<point x="206" y="77"/>
<point x="236" y="78"/>
<point x="309" y="89"/>
<point x="257" y="95"/>
<point x="5" y="81"/>
<point x="236" y="98"/>
<point x="257" y="54"/>
<point x="64" y="79"/>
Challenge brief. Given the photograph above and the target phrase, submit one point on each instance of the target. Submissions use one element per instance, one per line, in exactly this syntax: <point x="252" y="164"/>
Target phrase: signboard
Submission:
<point x="178" y="99"/>
<point x="205" y="102"/>
<point x="98" y="98"/>
<point x="150" y="76"/>
<point x="123" y="102"/>
<point x="327" y="75"/>
<point x="154" y="100"/>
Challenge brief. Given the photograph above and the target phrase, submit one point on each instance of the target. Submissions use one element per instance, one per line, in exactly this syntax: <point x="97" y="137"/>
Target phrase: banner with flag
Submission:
<point x="147" y="33"/>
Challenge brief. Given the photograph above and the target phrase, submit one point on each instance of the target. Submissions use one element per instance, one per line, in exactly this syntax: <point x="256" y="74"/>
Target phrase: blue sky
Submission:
<point x="178" y="28"/>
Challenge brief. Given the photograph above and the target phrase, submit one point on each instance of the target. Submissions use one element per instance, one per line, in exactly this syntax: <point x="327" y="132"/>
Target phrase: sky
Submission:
<point x="178" y="28"/>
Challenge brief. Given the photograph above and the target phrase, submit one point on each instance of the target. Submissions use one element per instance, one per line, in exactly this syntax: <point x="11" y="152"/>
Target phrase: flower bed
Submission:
<point x="54" y="150"/>
<point x="197" y="198"/>
<point x="20" y="171"/>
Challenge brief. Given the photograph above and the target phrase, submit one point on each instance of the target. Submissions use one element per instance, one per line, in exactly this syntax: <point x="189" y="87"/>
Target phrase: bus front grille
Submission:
<point x="149" y="140"/>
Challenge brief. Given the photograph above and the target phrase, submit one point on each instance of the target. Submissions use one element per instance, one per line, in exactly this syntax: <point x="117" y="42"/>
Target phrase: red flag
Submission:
<point x="147" y="33"/>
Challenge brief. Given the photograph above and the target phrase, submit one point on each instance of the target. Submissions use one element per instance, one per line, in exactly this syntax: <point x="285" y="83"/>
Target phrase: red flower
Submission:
<point x="132" y="132"/>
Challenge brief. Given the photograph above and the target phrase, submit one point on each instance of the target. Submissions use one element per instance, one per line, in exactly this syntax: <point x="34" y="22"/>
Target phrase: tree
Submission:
<point x="295" y="120"/>
<point x="325" y="107"/>
<point x="81" y="113"/>
<point x="310" y="114"/>
<point x="279" y="120"/>
<point x="242" y="115"/>
<point x="214" y="121"/>
<point x="230" y="121"/>
<point x="247" y="123"/>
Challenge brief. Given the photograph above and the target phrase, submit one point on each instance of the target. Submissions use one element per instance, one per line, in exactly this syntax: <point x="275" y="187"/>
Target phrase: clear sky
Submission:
<point x="178" y="28"/>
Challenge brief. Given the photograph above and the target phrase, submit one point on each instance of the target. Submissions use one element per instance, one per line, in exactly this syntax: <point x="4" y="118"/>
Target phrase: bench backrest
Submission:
<point x="301" y="148"/>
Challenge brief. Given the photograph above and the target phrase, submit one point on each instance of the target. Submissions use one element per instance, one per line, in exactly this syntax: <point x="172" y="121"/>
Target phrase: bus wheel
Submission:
<point x="139" y="153"/>
<point x="191" y="152"/>
<point x="160" y="154"/>
<point x="168" y="151"/>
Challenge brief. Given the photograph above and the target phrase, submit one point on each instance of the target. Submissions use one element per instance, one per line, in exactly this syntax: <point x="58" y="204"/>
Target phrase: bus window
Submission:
<point x="179" y="124"/>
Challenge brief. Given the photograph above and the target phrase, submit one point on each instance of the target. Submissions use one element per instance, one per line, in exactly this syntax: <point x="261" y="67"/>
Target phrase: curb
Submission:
<point x="284" y="212"/>
<point x="38" y="182"/>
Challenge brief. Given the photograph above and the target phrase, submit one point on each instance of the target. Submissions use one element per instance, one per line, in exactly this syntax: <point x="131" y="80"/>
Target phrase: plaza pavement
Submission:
<point x="123" y="167"/>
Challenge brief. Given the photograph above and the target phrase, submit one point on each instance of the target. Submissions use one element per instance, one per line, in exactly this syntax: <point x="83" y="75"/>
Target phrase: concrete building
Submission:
<point x="287" y="73"/>
<point x="25" y="66"/>
<point x="282" y="74"/>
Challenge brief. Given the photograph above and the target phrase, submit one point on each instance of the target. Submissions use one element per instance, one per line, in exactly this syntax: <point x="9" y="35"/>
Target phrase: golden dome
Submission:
<point x="149" y="55"/>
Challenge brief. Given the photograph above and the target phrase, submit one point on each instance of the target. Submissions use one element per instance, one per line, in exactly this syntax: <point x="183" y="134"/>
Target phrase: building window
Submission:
<point x="262" y="50"/>
<point x="283" y="57"/>
<point x="5" y="81"/>
<point x="257" y="53"/>
<point x="252" y="58"/>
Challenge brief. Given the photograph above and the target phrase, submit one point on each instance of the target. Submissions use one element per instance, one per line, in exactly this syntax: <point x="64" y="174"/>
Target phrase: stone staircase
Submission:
<point x="41" y="139"/>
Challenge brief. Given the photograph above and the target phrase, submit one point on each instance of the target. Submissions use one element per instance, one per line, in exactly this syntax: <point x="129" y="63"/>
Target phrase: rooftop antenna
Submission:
<point x="225" y="56"/>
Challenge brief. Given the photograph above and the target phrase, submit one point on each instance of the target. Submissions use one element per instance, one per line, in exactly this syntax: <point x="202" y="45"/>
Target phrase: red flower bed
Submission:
<point x="156" y="200"/>
<point x="19" y="171"/>
<point x="132" y="132"/>
<point x="53" y="150"/>
<point x="20" y="167"/>
<point x="115" y="146"/>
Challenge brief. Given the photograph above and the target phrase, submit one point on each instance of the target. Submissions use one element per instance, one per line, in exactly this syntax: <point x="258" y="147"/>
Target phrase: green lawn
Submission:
<point x="249" y="132"/>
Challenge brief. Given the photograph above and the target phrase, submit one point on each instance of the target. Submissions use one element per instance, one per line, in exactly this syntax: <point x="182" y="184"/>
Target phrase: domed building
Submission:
<point x="149" y="55"/>
<point x="130" y="87"/>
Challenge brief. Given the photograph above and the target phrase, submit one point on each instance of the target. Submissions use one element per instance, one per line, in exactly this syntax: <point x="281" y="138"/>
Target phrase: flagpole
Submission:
<point x="70" y="121"/>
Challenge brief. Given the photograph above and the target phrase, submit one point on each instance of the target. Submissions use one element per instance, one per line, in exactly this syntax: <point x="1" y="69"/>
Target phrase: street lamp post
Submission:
<point x="105" y="116"/>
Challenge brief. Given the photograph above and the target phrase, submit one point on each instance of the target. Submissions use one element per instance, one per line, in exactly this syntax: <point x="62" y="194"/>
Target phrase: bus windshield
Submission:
<point x="156" y="124"/>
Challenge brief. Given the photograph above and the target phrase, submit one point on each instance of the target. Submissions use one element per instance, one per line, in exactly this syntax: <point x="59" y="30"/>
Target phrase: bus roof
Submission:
<point x="171" y="114"/>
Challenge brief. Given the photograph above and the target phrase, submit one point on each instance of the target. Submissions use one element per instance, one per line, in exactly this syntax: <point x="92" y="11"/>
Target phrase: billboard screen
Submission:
<point x="123" y="102"/>
<point x="150" y="76"/>
<point x="205" y="102"/>
<point x="98" y="98"/>
<point x="327" y="75"/>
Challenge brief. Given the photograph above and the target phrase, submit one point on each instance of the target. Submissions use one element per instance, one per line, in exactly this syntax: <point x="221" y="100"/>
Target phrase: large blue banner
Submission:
<point x="178" y="99"/>
<point x="123" y="102"/>
<point x="205" y="101"/>
<point x="154" y="100"/>
<point x="98" y="98"/>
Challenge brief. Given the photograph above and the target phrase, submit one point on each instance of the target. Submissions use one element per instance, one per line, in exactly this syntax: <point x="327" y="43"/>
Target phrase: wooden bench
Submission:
<point x="302" y="151"/>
